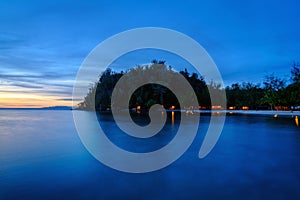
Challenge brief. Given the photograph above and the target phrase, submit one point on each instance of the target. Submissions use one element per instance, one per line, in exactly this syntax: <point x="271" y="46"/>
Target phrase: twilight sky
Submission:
<point x="42" y="43"/>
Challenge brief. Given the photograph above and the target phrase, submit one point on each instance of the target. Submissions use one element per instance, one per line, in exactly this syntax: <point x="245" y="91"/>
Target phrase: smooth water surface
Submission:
<point x="42" y="157"/>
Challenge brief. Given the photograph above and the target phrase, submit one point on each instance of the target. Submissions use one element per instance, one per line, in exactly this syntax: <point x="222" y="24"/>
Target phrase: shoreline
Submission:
<point x="266" y="112"/>
<point x="247" y="112"/>
<point x="273" y="113"/>
<point x="240" y="112"/>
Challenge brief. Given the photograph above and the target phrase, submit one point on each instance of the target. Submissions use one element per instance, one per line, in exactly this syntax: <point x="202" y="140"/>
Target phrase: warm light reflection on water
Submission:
<point x="173" y="118"/>
<point x="297" y="120"/>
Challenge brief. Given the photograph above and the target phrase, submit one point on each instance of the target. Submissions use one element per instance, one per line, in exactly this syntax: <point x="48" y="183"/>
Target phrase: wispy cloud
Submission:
<point x="69" y="99"/>
<point x="9" y="41"/>
<point x="25" y="85"/>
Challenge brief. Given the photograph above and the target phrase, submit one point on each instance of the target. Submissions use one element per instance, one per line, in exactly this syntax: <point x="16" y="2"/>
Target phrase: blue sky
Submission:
<point x="42" y="43"/>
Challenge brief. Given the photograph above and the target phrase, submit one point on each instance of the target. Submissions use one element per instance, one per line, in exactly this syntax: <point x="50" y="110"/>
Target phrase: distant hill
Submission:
<point x="57" y="108"/>
<point x="43" y="108"/>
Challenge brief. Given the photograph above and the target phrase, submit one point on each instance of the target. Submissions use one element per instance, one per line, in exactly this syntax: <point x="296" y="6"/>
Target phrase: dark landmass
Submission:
<point x="273" y="94"/>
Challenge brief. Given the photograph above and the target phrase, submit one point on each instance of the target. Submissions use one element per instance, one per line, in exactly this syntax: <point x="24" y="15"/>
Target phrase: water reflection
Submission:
<point x="173" y="118"/>
<point x="256" y="157"/>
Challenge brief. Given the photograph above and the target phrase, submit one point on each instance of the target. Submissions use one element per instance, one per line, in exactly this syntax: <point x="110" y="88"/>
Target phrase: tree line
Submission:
<point x="274" y="93"/>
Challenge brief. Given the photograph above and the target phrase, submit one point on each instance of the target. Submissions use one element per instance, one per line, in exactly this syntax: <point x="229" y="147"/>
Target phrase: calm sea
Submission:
<point x="42" y="157"/>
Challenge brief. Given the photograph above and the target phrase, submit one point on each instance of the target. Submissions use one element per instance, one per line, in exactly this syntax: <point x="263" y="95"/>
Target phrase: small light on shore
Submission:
<point x="245" y="108"/>
<point x="275" y="116"/>
<point x="216" y="107"/>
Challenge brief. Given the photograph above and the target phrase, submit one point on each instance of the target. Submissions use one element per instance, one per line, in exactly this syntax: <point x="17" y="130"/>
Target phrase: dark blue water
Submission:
<point x="41" y="157"/>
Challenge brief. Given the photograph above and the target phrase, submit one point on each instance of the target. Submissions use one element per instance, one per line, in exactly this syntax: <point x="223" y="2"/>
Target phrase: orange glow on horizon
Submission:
<point x="28" y="100"/>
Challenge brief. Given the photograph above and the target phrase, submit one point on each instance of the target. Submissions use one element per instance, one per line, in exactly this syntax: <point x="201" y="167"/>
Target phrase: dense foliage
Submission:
<point x="273" y="94"/>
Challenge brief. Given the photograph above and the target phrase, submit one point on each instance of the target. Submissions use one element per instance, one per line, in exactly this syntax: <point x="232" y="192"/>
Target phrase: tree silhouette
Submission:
<point x="272" y="93"/>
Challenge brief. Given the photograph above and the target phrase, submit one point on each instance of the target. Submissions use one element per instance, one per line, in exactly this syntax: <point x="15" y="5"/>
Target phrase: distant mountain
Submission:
<point x="43" y="108"/>
<point x="57" y="108"/>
